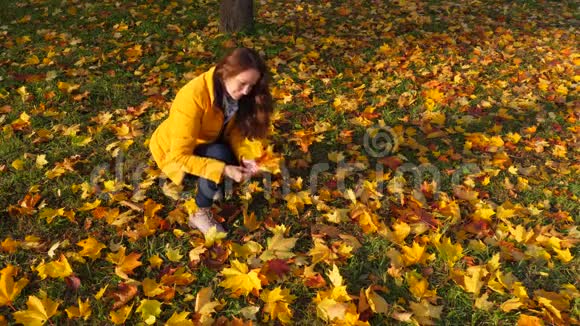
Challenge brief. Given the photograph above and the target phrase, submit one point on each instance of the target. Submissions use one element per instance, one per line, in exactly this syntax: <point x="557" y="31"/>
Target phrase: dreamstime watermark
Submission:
<point x="379" y="142"/>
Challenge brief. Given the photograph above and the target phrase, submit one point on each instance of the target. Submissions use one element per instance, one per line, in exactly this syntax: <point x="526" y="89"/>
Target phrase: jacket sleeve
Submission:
<point x="242" y="147"/>
<point x="185" y="120"/>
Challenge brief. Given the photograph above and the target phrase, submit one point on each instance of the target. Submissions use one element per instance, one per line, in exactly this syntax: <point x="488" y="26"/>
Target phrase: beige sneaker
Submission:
<point x="218" y="197"/>
<point x="203" y="220"/>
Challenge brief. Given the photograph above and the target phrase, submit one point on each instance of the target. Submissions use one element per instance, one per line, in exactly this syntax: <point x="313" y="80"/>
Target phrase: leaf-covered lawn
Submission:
<point x="427" y="152"/>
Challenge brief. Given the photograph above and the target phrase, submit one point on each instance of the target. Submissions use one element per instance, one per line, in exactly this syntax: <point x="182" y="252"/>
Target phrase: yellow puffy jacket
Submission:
<point x="192" y="121"/>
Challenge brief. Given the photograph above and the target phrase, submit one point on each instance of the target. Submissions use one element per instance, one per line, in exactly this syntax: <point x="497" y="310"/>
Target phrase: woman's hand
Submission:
<point x="251" y="167"/>
<point x="234" y="172"/>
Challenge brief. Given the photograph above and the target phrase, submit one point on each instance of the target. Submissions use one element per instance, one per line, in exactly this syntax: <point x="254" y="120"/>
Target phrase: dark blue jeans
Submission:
<point x="206" y="189"/>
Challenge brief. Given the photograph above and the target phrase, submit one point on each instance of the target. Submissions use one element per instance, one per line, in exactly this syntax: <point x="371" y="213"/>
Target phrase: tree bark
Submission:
<point x="236" y="15"/>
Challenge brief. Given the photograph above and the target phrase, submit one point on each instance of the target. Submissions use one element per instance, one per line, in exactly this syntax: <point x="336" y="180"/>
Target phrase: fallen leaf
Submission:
<point x="91" y="248"/>
<point x="8" y="289"/>
<point x="82" y="311"/>
<point x="239" y="279"/>
<point x="119" y="316"/>
<point x="150" y="310"/>
<point x="125" y="264"/>
<point x="56" y="269"/>
<point x="39" y="311"/>
<point x="179" y="319"/>
<point x="277" y="303"/>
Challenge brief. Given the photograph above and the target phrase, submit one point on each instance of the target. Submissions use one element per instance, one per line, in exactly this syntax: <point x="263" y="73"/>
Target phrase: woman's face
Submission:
<point x="242" y="83"/>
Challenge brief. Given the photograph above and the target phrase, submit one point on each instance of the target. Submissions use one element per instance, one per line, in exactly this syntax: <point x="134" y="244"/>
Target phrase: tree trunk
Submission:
<point x="236" y="15"/>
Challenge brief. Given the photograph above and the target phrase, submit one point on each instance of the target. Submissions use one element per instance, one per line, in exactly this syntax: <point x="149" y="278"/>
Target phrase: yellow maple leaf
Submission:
<point x="50" y="213"/>
<point x="449" y="252"/>
<point x="149" y="310"/>
<point x="9" y="245"/>
<point x="125" y="264"/>
<point x="240" y="280"/>
<point x="278" y="246"/>
<point x="90" y="206"/>
<point x="483" y="213"/>
<point x="474" y="279"/>
<point x="251" y="149"/>
<point x="337" y="215"/>
<point x="155" y="261"/>
<point x="180" y="277"/>
<point x="91" y="248"/>
<point x="23" y="93"/>
<point x="434" y="94"/>
<point x="329" y="309"/>
<point x="416" y="254"/>
<point x="482" y="303"/>
<point x="419" y="286"/>
<point x="376" y="302"/>
<point x="119" y="316"/>
<point x="493" y="263"/>
<point x="99" y="294"/>
<point x="54" y="269"/>
<point x="39" y="311"/>
<point x="277" y="301"/>
<point x="214" y="236"/>
<point x="151" y="288"/>
<point x="511" y="304"/>
<point x="334" y="276"/>
<point x="248" y="249"/>
<point x="8" y="289"/>
<point x="82" y="311"/>
<point x="424" y="312"/>
<point x="41" y="161"/>
<point x="18" y="164"/>
<point x="368" y="221"/>
<point x="173" y="254"/>
<point x="250" y="221"/>
<point x="296" y="201"/>
<point x="527" y="320"/>
<point x="269" y="161"/>
<point x="520" y="234"/>
<point x="564" y="255"/>
<point x="195" y="253"/>
<point x="179" y="319"/>
<point x="400" y="231"/>
<point x="66" y="87"/>
<point x="190" y="205"/>
<point x="320" y="252"/>
<point x="204" y="306"/>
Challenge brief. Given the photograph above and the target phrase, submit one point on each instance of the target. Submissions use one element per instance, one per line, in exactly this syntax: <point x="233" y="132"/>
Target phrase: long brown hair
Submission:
<point x="255" y="108"/>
